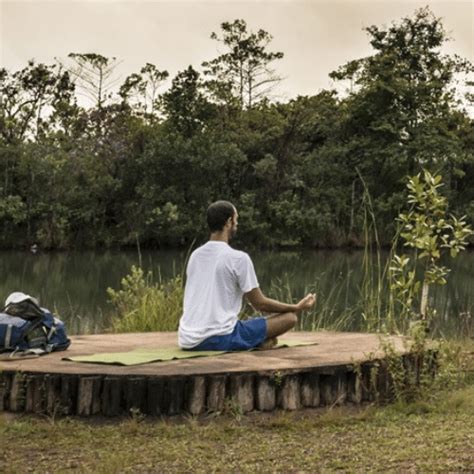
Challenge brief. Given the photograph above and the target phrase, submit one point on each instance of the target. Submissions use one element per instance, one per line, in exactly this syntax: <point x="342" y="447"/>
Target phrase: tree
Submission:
<point x="27" y="98"/>
<point x="431" y="231"/>
<point x="140" y="91"/>
<point x="95" y="75"/>
<point x="35" y="103"/>
<point x="245" y="70"/>
<point x="185" y="104"/>
<point x="402" y="114"/>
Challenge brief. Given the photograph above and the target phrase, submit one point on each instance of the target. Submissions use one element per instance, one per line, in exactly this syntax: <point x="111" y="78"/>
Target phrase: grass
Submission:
<point x="433" y="435"/>
<point x="326" y="314"/>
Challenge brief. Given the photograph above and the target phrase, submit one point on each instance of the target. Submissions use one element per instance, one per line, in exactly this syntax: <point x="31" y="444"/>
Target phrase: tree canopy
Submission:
<point x="144" y="160"/>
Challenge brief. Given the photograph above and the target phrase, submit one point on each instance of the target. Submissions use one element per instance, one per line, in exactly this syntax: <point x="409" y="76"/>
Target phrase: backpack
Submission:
<point x="27" y="328"/>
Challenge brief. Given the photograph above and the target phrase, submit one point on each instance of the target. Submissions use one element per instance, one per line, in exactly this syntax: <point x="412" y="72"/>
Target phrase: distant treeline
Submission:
<point x="142" y="164"/>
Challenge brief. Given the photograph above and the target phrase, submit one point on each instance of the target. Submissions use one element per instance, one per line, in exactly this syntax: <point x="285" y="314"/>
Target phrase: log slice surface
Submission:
<point x="332" y="349"/>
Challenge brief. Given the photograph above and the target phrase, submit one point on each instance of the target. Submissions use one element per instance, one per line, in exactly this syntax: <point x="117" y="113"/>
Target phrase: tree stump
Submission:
<point x="135" y="395"/>
<point x="310" y="395"/>
<point x="68" y="394"/>
<point x="175" y="395"/>
<point x="216" y="393"/>
<point x="289" y="397"/>
<point x="17" y="393"/>
<point x="88" y="398"/>
<point x="266" y="394"/>
<point x="112" y="396"/>
<point x="366" y="383"/>
<point x="329" y="389"/>
<point x="241" y="389"/>
<point x="155" y="391"/>
<point x="53" y="394"/>
<point x="354" y="387"/>
<point x="35" y="394"/>
<point x="383" y="381"/>
<point x="5" y="387"/>
<point x="196" y="395"/>
<point x="341" y="388"/>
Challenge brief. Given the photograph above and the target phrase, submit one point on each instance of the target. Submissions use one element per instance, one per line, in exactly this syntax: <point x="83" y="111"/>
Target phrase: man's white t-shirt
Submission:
<point x="217" y="278"/>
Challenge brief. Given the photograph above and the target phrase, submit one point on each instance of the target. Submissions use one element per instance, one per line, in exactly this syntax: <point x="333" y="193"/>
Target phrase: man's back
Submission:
<point x="217" y="277"/>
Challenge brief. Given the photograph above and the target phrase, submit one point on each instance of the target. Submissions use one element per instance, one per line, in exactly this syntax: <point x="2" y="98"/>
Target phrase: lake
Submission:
<point x="73" y="284"/>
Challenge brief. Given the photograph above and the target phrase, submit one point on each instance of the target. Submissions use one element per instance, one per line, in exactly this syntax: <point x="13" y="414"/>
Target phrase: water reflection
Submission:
<point x="74" y="284"/>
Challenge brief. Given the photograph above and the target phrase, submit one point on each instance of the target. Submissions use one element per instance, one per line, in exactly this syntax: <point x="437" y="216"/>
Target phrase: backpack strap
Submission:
<point x="37" y="351"/>
<point x="26" y="354"/>
<point x="8" y="336"/>
<point x="51" y="331"/>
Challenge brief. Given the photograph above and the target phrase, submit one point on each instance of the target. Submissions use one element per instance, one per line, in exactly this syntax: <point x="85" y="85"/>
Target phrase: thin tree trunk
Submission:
<point x="424" y="300"/>
<point x="351" y="222"/>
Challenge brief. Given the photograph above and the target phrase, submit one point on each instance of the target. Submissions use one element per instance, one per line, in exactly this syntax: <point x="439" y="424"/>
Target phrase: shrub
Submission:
<point x="142" y="305"/>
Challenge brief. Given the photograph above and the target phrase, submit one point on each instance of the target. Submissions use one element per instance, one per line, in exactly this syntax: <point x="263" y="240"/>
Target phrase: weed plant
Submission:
<point x="433" y="368"/>
<point x="143" y="305"/>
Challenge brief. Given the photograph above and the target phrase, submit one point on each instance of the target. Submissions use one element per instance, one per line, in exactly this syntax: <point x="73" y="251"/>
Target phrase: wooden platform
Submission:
<point x="341" y="368"/>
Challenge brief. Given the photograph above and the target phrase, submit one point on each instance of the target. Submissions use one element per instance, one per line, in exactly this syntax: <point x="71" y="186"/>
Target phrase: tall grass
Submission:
<point x="374" y="309"/>
<point x="326" y="314"/>
<point x="143" y="305"/>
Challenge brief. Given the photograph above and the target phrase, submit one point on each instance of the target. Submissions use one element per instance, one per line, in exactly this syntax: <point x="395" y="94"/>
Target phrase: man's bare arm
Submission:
<point x="268" y="305"/>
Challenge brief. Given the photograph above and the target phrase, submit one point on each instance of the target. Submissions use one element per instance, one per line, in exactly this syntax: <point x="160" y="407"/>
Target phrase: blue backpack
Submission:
<point x="28" y="329"/>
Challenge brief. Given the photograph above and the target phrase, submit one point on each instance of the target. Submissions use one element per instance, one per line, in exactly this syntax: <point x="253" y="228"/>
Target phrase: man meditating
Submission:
<point x="217" y="278"/>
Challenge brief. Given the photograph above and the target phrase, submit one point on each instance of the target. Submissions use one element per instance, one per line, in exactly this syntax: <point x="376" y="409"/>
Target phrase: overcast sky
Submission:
<point x="315" y="36"/>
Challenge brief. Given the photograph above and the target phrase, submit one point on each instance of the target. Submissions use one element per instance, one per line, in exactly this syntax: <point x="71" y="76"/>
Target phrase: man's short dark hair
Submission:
<point x="218" y="213"/>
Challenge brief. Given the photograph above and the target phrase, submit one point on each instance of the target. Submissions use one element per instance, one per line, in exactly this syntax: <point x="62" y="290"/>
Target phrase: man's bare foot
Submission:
<point x="268" y="344"/>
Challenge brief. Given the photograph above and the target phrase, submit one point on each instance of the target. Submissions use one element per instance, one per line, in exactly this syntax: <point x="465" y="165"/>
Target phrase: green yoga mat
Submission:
<point x="146" y="356"/>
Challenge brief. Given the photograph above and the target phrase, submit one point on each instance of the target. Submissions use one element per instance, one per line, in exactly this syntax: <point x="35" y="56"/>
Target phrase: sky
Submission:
<point x="315" y="36"/>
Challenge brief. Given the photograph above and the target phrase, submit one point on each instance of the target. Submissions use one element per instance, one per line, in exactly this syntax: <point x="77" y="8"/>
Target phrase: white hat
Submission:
<point x="18" y="297"/>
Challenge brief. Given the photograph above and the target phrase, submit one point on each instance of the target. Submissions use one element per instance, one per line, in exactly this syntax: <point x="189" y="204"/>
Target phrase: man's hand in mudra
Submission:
<point x="307" y="302"/>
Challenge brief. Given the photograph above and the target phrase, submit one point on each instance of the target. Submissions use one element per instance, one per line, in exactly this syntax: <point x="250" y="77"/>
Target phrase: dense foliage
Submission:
<point x="142" y="165"/>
